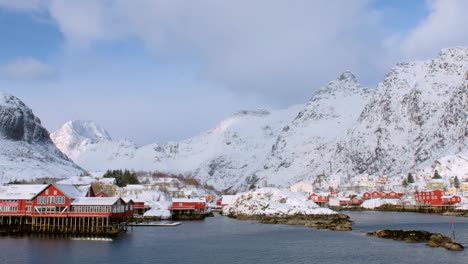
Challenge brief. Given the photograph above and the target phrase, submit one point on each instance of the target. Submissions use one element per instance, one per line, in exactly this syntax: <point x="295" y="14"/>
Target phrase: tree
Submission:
<point x="122" y="178"/>
<point x="436" y="175"/>
<point x="410" y="178"/>
<point x="456" y="182"/>
<point x="404" y="183"/>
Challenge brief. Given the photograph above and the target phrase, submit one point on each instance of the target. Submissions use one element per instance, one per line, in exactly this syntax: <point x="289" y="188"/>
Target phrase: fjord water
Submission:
<point x="224" y="240"/>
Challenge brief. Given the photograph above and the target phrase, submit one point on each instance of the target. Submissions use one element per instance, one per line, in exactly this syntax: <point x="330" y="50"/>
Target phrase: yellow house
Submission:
<point x="371" y="184"/>
<point x="452" y="190"/>
<point x="435" y="184"/>
<point x="463" y="186"/>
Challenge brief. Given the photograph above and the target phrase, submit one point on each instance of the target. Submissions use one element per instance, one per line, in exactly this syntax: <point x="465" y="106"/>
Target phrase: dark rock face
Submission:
<point x="338" y="222"/>
<point x="418" y="236"/>
<point x="17" y="122"/>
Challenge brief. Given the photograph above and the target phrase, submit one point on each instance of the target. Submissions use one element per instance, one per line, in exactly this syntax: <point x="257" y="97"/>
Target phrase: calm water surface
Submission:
<point x="224" y="240"/>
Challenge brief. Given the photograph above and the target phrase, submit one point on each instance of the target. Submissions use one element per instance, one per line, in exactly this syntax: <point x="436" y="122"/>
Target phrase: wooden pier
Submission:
<point x="62" y="225"/>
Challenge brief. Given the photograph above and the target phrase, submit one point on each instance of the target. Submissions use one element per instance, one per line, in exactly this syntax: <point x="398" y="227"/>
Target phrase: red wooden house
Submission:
<point x="188" y="204"/>
<point x="392" y="195"/>
<point x="353" y="201"/>
<point x="450" y="199"/>
<point x="433" y="197"/>
<point x="319" y="198"/>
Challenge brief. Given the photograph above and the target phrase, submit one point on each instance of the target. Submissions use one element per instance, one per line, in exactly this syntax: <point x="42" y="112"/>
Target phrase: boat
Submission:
<point x="160" y="223"/>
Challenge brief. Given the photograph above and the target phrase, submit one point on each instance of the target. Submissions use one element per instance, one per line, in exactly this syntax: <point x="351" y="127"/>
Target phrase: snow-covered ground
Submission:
<point x="273" y="202"/>
<point x="376" y="202"/>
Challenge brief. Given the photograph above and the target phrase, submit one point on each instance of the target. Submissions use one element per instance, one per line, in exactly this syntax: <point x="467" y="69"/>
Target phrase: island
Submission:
<point x="275" y="206"/>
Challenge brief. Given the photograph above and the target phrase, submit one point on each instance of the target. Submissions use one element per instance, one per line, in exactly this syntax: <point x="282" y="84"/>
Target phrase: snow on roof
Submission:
<point x="69" y="190"/>
<point x="83" y="189"/>
<point x="107" y="180"/>
<point x="437" y="180"/>
<point x="21" y="191"/>
<point x="135" y="187"/>
<point x="227" y="199"/>
<point x="78" y="180"/>
<point x="95" y="201"/>
<point x="188" y="200"/>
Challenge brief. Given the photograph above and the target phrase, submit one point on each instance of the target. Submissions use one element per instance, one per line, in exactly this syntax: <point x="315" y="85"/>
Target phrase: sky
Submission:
<point x="157" y="70"/>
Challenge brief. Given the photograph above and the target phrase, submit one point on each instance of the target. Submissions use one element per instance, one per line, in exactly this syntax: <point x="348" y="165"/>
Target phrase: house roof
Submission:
<point x="21" y="191"/>
<point x="95" y="201"/>
<point x="188" y="200"/>
<point x="69" y="190"/>
<point x="227" y="199"/>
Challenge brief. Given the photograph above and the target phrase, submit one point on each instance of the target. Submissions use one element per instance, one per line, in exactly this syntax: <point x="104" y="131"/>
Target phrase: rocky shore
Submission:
<point x="419" y="236"/>
<point x="339" y="222"/>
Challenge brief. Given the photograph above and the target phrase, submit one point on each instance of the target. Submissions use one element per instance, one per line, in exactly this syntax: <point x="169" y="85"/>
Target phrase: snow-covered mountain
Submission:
<point x="26" y="150"/>
<point x="225" y="156"/>
<point x="305" y="146"/>
<point x="416" y="115"/>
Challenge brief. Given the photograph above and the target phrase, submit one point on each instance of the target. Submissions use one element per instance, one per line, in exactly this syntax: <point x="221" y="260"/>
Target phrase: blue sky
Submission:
<point x="154" y="71"/>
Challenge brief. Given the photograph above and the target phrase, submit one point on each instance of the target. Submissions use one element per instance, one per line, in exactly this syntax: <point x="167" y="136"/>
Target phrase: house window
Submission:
<point x="51" y="199"/>
<point x="28" y="208"/>
<point x="47" y="192"/>
<point x="55" y="192"/>
<point x="60" y="200"/>
<point x="42" y="200"/>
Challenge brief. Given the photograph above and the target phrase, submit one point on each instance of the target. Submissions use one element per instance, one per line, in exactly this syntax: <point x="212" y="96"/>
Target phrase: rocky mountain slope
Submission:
<point x="416" y="115"/>
<point x="26" y="150"/>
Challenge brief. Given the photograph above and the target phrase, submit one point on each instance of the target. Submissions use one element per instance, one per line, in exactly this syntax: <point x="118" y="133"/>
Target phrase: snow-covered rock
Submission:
<point x="273" y="202"/>
<point x="26" y="150"/>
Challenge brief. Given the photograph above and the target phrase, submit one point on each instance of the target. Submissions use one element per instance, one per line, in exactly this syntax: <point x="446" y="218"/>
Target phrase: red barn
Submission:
<point x="433" y="197"/>
<point x="376" y="194"/>
<point x="450" y="199"/>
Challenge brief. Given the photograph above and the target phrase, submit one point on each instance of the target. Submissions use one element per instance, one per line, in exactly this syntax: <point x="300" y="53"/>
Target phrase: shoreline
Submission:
<point x="336" y="222"/>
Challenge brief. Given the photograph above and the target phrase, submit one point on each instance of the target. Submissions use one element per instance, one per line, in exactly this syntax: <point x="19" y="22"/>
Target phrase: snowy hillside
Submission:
<point x="304" y="147"/>
<point x="26" y="150"/>
<point x="224" y="156"/>
<point x="416" y="115"/>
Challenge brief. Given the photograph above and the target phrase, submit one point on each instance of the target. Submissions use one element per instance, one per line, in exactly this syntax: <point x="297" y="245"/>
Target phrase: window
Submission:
<point x="47" y="192"/>
<point x="42" y="200"/>
<point x="55" y="192"/>
<point x="60" y="200"/>
<point x="28" y="208"/>
<point x="51" y="199"/>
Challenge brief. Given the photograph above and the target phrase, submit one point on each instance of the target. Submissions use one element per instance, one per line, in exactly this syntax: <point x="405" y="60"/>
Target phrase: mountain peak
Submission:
<point x="347" y="76"/>
<point x="75" y="132"/>
<point x="87" y="129"/>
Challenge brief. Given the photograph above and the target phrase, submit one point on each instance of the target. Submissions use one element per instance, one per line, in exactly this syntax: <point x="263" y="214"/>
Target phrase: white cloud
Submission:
<point x="22" y="4"/>
<point x="445" y="26"/>
<point x="280" y="49"/>
<point x="27" y="69"/>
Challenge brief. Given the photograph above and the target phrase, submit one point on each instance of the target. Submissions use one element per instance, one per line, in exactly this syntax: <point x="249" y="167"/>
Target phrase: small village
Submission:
<point x="97" y="205"/>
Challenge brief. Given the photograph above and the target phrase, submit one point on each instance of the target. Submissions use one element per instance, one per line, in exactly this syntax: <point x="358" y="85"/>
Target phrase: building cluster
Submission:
<point x="60" y="207"/>
<point x="356" y="191"/>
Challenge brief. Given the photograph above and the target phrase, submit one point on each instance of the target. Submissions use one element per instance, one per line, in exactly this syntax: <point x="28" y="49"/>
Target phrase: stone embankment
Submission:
<point x="419" y="236"/>
<point x="339" y="222"/>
